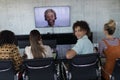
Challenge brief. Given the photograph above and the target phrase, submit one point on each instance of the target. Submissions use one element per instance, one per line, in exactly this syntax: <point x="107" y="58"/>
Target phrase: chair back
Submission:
<point x="116" y="71"/>
<point x="40" y="69"/>
<point x="84" y="67"/>
<point x="6" y="70"/>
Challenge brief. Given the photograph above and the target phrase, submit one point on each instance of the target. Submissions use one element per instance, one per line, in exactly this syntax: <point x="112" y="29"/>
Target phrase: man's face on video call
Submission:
<point x="50" y="17"/>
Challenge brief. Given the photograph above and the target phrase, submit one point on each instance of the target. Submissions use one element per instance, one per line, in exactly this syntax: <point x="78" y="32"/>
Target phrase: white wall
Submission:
<point x="18" y="15"/>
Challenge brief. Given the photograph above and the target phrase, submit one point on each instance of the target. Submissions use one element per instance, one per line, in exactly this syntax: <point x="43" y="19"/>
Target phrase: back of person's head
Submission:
<point x="110" y="27"/>
<point x="35" y="36"/>
<point x="47" y="11"/>
<point x="83" y="26"/>
<point x="36" y="42"/>
<point x="7" y="37"/>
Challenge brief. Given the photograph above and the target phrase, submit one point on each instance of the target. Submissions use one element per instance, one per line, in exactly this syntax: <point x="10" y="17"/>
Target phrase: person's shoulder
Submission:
<point x="27" y="47"/>
<point x="46" y="46"/>
<point x="80" y="41"/>
<point x="83" y="39"/>
<point x="7" y="48"/>
<point x="103" y="39"/>
<point x="10" y="46"/>
<point x="116" y="38"/>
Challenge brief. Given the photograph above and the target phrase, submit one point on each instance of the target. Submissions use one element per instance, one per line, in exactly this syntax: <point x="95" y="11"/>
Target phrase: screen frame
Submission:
<point x="41" y="22"/>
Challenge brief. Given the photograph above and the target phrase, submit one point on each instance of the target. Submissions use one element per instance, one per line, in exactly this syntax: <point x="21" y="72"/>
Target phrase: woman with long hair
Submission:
<point x="36" y="48"/>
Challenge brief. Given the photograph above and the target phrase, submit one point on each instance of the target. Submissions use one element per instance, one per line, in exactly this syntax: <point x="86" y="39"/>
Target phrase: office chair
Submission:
<point x="39" y="69"/>
<point x="6" y="70"/>
<point x="116" y="71"/>
<point x="84" y="67"/>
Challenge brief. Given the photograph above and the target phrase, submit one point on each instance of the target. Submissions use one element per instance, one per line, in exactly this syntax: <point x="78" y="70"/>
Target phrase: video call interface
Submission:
<point x="62" y="16"/>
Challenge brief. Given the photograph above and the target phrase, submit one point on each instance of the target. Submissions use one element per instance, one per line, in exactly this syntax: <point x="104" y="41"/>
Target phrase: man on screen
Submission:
<point x="50" y="17"/>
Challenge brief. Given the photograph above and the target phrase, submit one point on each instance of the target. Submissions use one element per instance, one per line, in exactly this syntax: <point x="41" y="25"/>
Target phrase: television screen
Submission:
<point x="54" y="16"/>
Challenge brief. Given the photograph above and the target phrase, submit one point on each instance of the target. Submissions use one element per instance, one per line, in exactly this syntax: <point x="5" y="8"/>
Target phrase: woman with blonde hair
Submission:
<point x="109" y="47"/>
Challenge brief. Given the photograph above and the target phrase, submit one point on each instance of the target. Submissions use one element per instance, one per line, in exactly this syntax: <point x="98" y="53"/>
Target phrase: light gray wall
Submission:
<point x="18" y="15"/>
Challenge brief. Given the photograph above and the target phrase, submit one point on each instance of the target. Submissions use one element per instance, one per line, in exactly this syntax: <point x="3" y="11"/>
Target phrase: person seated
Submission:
<point x="109" y="47"/>
<point x="8" y="49"/>
<point x="37" y="49"/>
<point x="84" y="45"/>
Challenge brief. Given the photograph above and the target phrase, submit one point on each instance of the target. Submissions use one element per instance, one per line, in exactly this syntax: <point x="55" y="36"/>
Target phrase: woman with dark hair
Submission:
<point x="8" y="49"/>
<point x="84" y="45"/>
<point x="36" y="48"/>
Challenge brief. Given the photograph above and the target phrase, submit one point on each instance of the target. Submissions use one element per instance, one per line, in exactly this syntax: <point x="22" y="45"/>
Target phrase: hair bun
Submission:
<point x="111" y="23"/>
